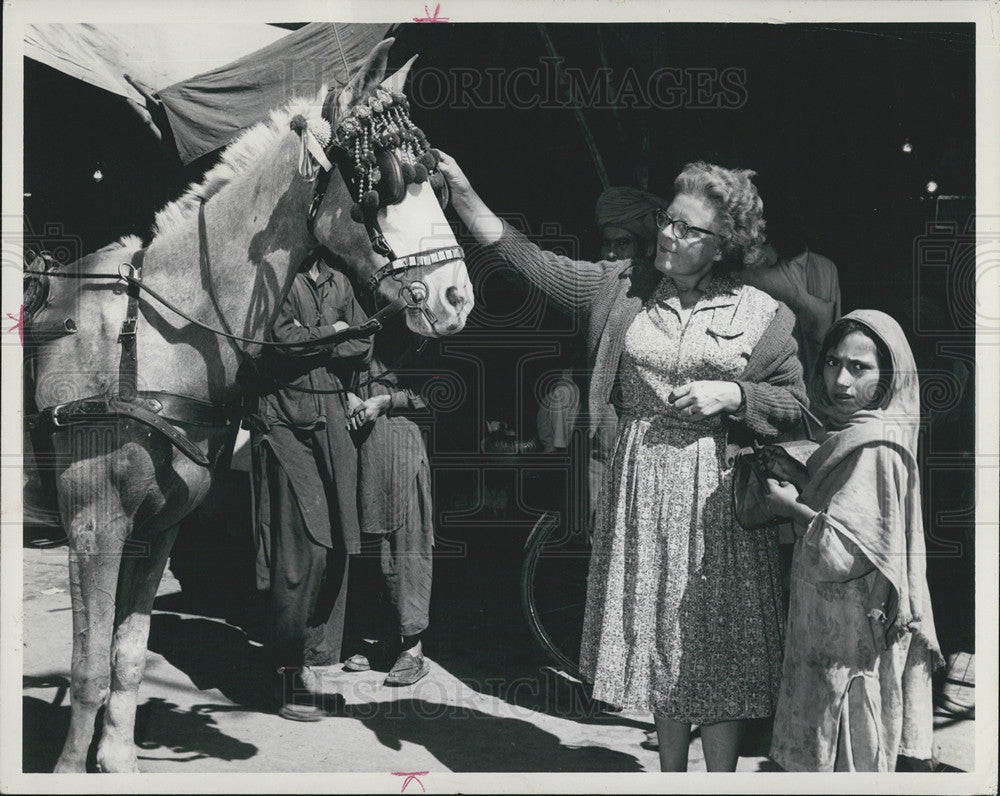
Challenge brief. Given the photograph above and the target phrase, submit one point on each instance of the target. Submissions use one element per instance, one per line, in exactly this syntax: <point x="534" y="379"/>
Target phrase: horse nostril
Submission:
<point x="455" y="298"/>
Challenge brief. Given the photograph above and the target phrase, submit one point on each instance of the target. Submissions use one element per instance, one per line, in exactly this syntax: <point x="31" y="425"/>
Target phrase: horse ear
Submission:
<point x="367" y="78"/>
<point x="397" y="79"/>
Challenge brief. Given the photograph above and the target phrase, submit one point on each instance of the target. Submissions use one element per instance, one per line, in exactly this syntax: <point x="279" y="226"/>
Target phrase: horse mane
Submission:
<point x="124" y="242"/>
<point x="238" y="158"/>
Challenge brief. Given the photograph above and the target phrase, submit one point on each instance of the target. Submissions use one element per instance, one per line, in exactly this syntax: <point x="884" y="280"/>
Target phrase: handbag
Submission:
<point x="749" y="475"/>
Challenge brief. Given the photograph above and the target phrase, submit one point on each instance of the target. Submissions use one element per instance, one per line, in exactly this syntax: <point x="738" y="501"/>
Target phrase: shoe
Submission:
<point x="407" y="669"/>
<point x="294" y="711"/>
<point x="958" y="692"/>
<point x="294" y="699"/>
<point x="357" y="663"/>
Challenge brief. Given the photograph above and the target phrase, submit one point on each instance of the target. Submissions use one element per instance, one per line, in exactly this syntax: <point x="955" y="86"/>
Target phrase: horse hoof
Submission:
<point x="70" y="766"/>
<point x="117" y="762"/>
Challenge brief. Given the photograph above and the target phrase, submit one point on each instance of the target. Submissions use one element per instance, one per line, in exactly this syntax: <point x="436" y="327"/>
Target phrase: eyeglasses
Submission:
<point x="680" y="228"/>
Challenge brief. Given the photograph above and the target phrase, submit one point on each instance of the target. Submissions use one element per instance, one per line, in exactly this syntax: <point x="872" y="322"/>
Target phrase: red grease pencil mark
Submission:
<point x="429" y="18"/>
<point x="411" y="776"/>
<point x="18" y="324"/>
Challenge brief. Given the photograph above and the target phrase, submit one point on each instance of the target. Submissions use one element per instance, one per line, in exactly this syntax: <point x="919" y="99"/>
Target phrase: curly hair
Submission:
<point x="738" y="205"/>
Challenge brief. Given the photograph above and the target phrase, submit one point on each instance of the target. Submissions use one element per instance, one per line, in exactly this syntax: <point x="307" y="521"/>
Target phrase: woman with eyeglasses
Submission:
<point x="683" y="613"/>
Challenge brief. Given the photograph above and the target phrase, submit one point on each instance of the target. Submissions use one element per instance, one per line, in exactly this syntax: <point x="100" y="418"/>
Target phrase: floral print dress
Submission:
<point x="683" y="612"/>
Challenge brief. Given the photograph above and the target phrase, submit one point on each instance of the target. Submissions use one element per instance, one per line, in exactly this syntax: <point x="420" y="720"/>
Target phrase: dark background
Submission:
<point x="823" y="118"/>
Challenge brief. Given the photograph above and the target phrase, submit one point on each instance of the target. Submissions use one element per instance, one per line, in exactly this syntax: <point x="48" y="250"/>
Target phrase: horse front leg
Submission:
<point x="138" y="581"/>
<point x="97" y="530"/>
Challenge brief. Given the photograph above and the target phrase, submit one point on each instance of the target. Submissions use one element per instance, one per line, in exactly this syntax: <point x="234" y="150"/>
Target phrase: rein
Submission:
<point x="374" y="323"/>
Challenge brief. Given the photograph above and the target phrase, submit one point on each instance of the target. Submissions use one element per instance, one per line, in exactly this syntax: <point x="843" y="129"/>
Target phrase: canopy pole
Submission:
<point x="340" y="46"/>
<point x="577" y="111"/>
<point x="609" y="81"/>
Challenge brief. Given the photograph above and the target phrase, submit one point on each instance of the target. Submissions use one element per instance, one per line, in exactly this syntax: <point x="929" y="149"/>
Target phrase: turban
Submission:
<point x="630" y="209"/>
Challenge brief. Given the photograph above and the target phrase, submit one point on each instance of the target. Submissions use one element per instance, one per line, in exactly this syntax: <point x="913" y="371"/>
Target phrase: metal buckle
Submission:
<point x="128" y="328"/>
<point x="380" y="246"/>
<point x="54" y="415"/>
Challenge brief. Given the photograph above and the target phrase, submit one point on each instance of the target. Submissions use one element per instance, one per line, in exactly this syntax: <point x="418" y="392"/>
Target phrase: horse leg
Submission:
<point x="97" y="529"/>
<point x="137" y="584"/>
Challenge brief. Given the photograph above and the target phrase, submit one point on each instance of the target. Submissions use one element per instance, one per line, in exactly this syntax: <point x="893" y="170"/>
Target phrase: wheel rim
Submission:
<point x="553" y="591"/>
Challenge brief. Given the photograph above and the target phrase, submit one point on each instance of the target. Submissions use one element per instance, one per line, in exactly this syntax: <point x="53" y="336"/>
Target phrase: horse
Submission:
<point x="138" y="383"/>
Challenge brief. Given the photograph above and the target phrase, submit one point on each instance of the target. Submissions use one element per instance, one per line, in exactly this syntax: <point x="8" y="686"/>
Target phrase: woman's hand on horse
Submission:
<point x="458" y="183"/>
<point x="482" y="222"/>
<point x="705" y="398"/>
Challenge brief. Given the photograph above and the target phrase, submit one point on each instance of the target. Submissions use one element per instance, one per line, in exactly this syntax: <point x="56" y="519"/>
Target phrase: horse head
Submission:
<point x="383" y="216"/>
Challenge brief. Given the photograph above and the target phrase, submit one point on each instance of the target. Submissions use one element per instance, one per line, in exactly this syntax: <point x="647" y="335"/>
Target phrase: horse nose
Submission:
<point x="455" y="297"/>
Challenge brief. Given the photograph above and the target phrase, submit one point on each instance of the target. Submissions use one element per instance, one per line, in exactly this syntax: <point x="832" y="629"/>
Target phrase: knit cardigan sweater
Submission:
<point x="607" y="297"/>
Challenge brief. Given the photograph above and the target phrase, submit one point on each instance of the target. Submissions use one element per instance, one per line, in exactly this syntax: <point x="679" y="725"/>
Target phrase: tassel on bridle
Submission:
<point x="312" y="144"/>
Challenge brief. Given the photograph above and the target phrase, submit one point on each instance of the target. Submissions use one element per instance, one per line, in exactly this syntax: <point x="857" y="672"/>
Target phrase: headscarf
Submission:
<point x="879" y="448"/>
<point x="899" y="406"/>
<point x="630" y="209"/>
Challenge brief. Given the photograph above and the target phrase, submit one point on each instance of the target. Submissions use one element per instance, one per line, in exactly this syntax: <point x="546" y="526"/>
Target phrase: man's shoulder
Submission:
<point x="754" y="299"/>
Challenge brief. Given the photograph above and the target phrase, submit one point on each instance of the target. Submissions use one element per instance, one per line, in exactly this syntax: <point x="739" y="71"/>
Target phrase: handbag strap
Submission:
<point x="807" y="416"/>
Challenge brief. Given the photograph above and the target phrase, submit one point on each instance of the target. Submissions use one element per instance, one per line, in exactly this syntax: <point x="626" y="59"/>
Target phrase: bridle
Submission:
<point x="412" y="294"/>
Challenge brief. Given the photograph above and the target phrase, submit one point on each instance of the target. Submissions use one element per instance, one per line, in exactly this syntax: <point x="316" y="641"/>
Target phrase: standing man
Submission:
<point x="391" y="578"/>
<point x="804" y="280"/>
<point x="305" y="482"/>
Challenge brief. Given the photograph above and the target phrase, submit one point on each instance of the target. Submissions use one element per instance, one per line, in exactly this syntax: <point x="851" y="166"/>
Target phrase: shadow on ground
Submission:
<point x="213" y="654"/>
<point x="464" y="739"/>
<point x="160" y="724"/>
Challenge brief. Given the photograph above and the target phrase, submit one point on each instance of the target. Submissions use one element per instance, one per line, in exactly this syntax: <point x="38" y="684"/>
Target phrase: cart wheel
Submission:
<point x="554" y="590"/>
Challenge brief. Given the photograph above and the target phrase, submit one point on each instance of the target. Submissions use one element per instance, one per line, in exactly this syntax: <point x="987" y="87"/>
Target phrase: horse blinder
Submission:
<point x="391" y="187"/>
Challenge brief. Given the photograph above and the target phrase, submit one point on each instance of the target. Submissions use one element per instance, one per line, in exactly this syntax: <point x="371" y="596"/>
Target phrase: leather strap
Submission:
<point x="150" y="407"/>
<point x="184" y="409"/>
<point x="128" y="365"/>
<point x="88" y="410"/>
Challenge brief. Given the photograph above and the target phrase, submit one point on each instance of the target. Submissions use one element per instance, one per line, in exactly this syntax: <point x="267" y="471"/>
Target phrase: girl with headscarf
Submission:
<point x="860" y="644"/>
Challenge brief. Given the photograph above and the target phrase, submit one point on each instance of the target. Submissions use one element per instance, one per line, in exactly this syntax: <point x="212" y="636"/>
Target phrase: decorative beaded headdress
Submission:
<point x="382" y="122"/>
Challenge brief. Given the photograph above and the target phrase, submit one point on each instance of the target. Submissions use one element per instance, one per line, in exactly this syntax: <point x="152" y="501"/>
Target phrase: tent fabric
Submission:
<point x="207" y="111"/>
<point x="157" y="55"/>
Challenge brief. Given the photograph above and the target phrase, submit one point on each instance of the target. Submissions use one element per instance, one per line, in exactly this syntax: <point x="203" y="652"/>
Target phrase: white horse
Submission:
<point x="224" y="254"/>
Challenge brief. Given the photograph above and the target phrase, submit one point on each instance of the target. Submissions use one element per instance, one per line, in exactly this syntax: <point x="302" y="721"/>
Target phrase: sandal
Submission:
<point x="357" y="663"/>
<point x="407" y="670"/>
<point x="299" y="712"/>
<point x="300" y="698"/>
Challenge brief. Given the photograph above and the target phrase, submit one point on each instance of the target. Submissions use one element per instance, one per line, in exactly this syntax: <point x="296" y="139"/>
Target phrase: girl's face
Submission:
<point x="692" y="256"/>
<point x="851" y="374"/>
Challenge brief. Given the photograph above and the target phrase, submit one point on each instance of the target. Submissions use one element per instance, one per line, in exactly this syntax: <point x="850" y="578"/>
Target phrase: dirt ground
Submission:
<point x="490" y="704"/>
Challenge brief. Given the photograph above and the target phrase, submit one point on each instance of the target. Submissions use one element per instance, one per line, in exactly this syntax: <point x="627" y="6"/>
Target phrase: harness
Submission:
<point x="157" y="409"/>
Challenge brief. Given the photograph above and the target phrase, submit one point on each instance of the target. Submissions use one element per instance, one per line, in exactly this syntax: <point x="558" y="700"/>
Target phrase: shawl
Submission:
<point x="867" y="469"/>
